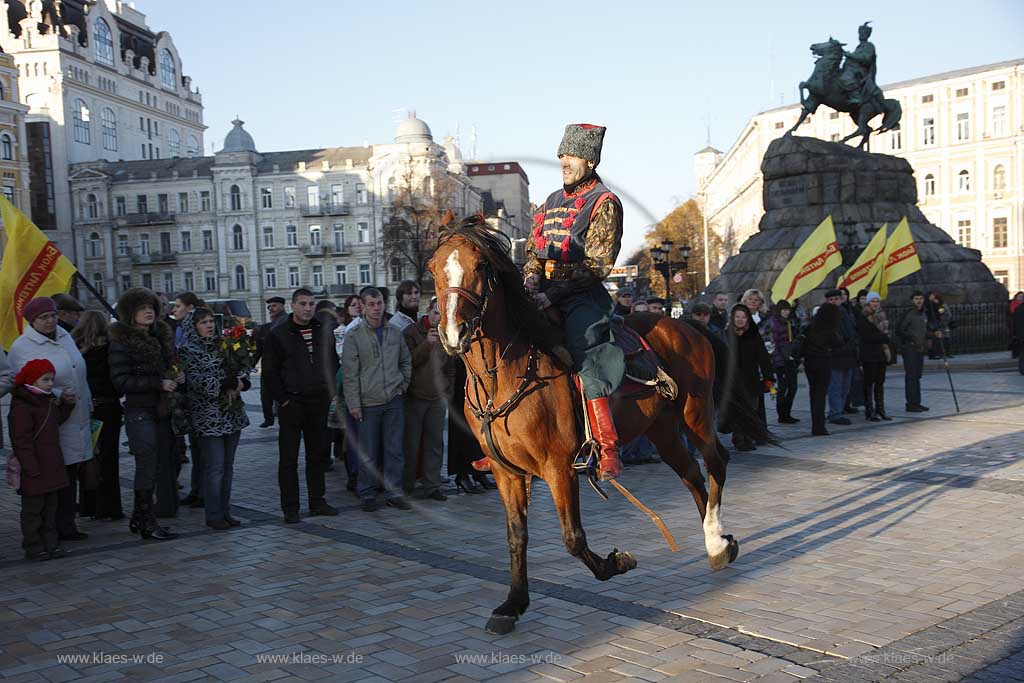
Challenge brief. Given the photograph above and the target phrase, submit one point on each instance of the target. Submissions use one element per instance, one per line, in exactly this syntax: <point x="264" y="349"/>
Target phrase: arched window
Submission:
<point x="193" y="146"/>
<point x="174" y="143"/>
<point x="998" y="176"/>
<point x="95" y="245"/>
<point x="91" y="206"/>
<point x="3" y="93"/>
<point x="314" y="235"/>
<point x="167" y="69"/>
<point x="236" y="198"/>
<point x="6" y="147"/>
<point x="109" y="123"/>
<point x="964" y="181"/>
<point x="237" y="240"/>
<point x="396" y="270"/>
<point x="240" y="277"/>
<point x="80" y="115"/>
<point x="104" y="43"/>
<point x="929" y="185"/>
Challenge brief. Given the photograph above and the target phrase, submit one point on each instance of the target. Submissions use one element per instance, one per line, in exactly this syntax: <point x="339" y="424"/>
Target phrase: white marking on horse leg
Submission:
<point x="453" y="270"/>
<point x="713" y="540"/>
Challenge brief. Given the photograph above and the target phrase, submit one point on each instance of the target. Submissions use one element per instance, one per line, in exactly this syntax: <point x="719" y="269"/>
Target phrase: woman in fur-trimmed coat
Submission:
<point x="142" y="367"/>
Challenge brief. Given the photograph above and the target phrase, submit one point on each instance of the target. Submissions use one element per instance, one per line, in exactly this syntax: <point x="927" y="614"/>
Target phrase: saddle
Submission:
<point x="644" y="374"/>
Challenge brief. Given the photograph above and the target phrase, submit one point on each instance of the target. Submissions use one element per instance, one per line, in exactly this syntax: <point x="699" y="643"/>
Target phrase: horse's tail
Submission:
<point x="732" y="412"/>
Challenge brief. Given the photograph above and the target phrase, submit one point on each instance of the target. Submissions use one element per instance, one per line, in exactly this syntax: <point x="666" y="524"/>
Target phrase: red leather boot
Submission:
<point x="603" y="428"/>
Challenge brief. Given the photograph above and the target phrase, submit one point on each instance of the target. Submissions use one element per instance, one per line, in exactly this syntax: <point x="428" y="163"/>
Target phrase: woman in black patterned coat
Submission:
<point x="216" y="411"/>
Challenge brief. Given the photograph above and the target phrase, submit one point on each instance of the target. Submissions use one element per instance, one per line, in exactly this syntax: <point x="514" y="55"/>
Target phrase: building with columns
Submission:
<point x="99" y="83"/>
<point x="13" y="146"/>
<point x="963" y="133"/>
<point x="244" y="224"/>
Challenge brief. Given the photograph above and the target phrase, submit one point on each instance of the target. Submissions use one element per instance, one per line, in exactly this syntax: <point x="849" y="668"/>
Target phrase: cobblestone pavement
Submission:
<point x="889" y="551"/>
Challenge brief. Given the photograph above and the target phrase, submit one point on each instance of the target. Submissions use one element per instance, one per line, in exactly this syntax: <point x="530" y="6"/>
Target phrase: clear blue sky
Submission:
<point x="329" y="73"/>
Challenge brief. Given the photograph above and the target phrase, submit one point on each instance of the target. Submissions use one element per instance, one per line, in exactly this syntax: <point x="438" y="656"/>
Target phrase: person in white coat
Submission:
<point x="43" y="338"/>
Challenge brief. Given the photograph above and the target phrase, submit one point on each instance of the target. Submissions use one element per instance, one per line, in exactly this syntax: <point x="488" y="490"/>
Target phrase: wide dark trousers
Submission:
<point x="787" y="377"/>
<point x="67" y="505"/>
<point x="818" y="377"/>
<point x="600" y="364"/>
<point x="913" y="368"/>
<point x="108" y="495"/>
<point x="302" y="421"/>
<point x="39" y="522"/>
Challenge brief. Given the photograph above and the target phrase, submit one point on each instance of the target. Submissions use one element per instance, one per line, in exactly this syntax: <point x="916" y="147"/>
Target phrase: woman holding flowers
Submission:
<point x="216" y="372"/>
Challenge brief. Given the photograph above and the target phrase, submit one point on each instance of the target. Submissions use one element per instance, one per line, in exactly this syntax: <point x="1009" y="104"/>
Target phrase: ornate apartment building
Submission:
<point x="244" y="224"/>
<point x="99" y="84"/>
<point x="962" y="131"/>
<point x="13" y="146"/>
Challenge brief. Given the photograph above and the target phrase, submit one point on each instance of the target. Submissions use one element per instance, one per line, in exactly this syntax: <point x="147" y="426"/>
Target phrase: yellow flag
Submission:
<point x="900" y="259"/>
<point x="867" y="265"/>
<point x="816" y="258"/>
<point x="32" y="266"/>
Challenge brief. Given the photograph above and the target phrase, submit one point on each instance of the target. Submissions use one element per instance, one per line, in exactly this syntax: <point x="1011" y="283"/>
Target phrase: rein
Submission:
<point x="485" y="411"/>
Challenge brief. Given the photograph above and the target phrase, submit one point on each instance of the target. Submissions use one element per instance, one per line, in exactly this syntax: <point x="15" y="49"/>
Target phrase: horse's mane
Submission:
<point x="520" y="309"/>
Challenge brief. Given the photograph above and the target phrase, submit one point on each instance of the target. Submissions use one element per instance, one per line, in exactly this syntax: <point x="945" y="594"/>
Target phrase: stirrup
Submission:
<point x="586" y="463"/>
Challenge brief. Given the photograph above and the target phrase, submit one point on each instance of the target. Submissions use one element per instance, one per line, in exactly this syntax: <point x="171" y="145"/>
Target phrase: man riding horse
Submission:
<point x="576" y="238"/>
<point x="858" y="78"/>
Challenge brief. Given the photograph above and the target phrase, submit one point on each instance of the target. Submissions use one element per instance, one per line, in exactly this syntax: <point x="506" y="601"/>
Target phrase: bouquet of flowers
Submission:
<point x="236" y="352"/>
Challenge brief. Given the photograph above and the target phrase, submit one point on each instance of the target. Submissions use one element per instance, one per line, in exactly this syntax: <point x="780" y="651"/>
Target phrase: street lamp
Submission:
<point x="662" y="257"/>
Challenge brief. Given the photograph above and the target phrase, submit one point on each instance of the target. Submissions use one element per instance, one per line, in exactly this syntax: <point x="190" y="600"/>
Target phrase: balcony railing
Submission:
<point x="326" y="209"/>
<point x="155" y="258"/>
<point x="148" y="218"/>
<point x="335" y="290"/>
<point x="312" y="250"/>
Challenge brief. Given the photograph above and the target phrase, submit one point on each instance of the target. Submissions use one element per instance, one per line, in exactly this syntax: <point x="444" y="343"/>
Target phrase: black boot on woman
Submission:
<point x="467" y="484"/>
<point x="150" y="528"/>
<point x="482" y="480"/>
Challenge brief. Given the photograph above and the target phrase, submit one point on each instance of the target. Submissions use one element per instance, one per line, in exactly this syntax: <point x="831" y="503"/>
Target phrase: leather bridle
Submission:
<point x="483" y="407"/>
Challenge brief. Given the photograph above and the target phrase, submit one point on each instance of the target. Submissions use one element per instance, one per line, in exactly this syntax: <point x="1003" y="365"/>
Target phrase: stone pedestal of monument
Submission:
<point x="805" y="180"/>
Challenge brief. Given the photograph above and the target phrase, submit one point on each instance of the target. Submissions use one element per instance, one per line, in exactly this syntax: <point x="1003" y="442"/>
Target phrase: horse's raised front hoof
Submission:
<point x="501" y="624"/>
<point x="728" y="554"/>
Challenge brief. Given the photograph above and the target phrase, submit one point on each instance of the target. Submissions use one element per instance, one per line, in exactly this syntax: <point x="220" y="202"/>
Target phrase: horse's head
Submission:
<point x="831" y="47"/>
<point x="464" y="283"/>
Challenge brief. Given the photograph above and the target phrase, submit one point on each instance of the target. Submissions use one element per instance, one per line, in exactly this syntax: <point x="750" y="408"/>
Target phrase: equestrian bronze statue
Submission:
<point x="848" y="85"/>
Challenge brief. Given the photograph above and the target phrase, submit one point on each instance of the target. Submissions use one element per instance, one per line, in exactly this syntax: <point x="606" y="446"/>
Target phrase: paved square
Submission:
<point x="887" y="551"/>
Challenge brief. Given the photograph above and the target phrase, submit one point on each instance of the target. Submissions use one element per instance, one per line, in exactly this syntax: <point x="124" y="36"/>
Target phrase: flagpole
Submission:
<point x="945" y="362"/>
<point x="95" y="293"/>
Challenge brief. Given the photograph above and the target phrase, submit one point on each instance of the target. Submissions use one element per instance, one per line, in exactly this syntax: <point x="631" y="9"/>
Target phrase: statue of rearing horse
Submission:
<point x="529" y="401"/>
<point x="837" y="86"/>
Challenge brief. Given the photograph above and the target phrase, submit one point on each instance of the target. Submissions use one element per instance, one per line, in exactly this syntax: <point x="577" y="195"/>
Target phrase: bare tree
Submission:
<point x="412" y="221"/>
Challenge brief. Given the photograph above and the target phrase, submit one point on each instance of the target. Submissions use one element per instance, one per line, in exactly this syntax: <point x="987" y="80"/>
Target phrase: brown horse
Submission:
<point x="489" y="320"/>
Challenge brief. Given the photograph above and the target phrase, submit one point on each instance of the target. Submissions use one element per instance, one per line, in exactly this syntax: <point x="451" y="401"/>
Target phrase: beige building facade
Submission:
<point x="248" y="225"/>
<point x="99" y="83"/>
<point x="13" y="146"/>
<point x="963" y="133"/>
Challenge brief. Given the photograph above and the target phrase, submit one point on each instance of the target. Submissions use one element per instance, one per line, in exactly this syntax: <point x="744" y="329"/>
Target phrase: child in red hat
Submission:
<point x="34" y="421"/>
